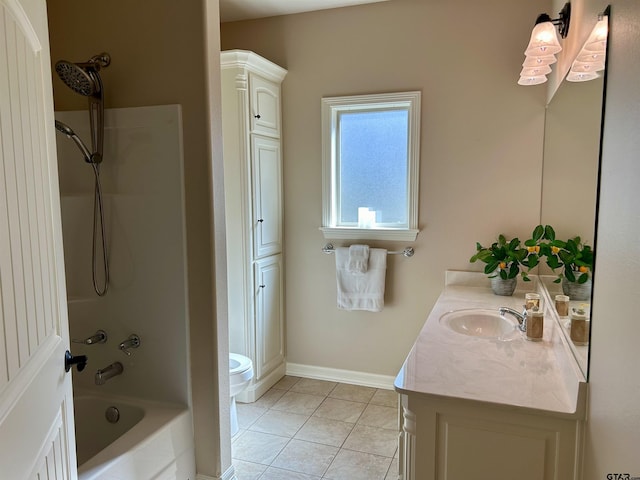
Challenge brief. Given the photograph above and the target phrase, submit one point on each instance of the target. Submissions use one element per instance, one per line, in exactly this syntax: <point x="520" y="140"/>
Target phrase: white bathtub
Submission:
<point x="150" y="441"/>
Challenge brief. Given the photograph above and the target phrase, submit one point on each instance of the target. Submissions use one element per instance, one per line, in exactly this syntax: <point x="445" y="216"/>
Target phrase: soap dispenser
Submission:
<point x="579" y="326"/>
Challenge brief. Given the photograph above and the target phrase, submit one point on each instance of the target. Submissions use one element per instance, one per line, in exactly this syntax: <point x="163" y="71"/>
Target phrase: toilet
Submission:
<point x="240" y="375"/>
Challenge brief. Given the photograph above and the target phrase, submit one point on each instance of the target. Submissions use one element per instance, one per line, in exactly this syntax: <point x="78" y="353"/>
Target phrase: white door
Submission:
<point x="37" y="440"/>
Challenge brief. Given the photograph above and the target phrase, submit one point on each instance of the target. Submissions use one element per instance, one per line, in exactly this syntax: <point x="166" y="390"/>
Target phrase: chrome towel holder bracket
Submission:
<point x="407" y="252"/>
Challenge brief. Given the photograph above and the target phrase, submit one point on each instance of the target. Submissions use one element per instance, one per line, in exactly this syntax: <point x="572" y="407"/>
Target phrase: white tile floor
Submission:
<point x="304" y="429"/>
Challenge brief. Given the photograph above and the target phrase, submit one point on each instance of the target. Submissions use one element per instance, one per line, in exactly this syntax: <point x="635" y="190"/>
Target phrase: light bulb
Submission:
<point x="601" y="30"/>
<point x="544" y="41"/>
<point x="597" y="41"/>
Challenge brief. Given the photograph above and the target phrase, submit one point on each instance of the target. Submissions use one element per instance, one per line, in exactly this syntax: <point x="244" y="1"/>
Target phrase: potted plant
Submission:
<point x="503" y="260"/>
<point x="572" y="257"/>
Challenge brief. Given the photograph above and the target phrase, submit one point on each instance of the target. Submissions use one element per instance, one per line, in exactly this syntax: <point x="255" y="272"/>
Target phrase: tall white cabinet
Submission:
<point x="251" y="126"/>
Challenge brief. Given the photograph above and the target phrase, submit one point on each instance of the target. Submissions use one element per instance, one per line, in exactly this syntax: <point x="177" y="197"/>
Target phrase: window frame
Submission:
<point x="331" y="108"/>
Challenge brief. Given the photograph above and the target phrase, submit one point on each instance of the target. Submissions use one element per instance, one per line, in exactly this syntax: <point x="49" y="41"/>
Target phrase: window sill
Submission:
<point x="404" y="235"/>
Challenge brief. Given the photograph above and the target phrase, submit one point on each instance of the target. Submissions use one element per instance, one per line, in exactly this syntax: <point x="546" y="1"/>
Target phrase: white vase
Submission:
<point x="575" y="290"/>
<point x="503" y="287"/>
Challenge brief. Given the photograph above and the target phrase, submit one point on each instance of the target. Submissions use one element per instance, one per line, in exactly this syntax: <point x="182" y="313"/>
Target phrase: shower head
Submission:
<point x="83" y="78"/>
<point x="76" y="78"/>
<point x="66" y="129"/>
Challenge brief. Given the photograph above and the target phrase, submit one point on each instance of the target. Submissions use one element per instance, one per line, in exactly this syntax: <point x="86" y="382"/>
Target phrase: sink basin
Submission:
<point x="481" y="323"/>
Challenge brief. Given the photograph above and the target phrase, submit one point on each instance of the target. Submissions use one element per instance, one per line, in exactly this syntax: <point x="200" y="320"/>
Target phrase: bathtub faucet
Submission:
<point x="132" y="342"/>
<point x="108" y="372"/>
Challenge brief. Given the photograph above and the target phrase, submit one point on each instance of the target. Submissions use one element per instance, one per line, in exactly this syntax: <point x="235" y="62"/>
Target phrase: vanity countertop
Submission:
<point x="538" y="376"/>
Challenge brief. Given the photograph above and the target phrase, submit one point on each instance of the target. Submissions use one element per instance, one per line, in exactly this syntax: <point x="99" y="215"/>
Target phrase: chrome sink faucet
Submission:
<point x="108" y="372"/>
<point x="521" y="317"/>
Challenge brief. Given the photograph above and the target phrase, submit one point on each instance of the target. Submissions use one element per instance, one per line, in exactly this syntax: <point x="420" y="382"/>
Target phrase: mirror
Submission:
<point x="570" y="173"/>
<point x="571" y="157"/>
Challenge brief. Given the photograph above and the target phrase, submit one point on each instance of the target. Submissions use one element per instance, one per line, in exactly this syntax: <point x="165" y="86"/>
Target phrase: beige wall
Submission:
<point x="158" y="57"/>
<point x="480" y="163"/>
<point x="613" y="428"/>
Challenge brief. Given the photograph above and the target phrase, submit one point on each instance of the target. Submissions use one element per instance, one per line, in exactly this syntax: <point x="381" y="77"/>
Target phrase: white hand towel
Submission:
<point x="358" y="258"/>
<point x="361" y="291"/>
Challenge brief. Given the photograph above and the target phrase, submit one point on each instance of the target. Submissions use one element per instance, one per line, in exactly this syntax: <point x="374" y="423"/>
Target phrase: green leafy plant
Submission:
<point x="503" y="258"/>
<point x="573" y="257"/>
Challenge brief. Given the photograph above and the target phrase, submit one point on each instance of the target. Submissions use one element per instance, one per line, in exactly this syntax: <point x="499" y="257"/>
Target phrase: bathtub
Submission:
<point x="150" y="441"/>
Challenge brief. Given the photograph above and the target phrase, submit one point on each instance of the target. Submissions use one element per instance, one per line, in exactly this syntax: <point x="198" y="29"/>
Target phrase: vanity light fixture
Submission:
<point x="543" y="46"/>
<point x="591" y="58"/>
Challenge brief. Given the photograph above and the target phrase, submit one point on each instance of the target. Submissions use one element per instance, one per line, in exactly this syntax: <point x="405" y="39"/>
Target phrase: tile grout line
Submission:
<point x="312" y="415"/>
<point x="306" y="421"/>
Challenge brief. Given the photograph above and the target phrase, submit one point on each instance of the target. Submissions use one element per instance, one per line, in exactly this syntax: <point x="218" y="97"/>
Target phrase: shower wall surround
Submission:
<point x="142" y="181"/>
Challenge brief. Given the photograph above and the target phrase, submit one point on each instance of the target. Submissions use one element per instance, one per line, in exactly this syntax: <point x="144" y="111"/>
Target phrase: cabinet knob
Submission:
<point x="257" y="116"/>
<point x="262" y="286"/>
<point x="260" y="220"/>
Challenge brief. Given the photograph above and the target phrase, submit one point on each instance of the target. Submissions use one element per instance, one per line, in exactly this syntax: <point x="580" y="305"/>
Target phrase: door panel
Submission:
<point x="265" y="106"/>
<point x="267" y="196"/>
<point x="52" y="467"/>
<point x="269" y="315"/>
<point x="36" y="410"/>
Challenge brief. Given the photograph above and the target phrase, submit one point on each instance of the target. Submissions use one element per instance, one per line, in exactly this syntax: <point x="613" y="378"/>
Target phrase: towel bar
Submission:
<point x="407" y="252"/>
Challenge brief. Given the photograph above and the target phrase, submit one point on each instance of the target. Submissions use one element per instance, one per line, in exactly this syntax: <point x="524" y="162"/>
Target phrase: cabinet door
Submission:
<point x="455" y="439"/>
<point x="264" y="106"/>
<point x="269" y="315"/>
<point x="477" y="448"/>
<point x="266" y="171"/>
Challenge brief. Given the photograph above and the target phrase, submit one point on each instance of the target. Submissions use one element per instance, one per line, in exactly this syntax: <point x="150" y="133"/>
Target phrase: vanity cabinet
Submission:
<point x="486" y="405"/>
<point x="451" y="439"/>
<point x="251" y="116"/>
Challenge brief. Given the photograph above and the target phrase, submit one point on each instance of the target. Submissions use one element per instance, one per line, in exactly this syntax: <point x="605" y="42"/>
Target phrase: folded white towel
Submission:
<point x="358" y="258"/>
<point x="361" y="291"/>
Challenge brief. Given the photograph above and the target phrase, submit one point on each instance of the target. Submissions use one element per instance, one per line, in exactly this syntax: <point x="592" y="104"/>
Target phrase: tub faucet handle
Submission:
<point x="132" y="342"/>
<point x="99" y="337"/>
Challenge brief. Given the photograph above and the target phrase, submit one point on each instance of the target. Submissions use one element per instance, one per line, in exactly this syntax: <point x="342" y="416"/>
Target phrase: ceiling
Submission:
<point x="234" y="10"/>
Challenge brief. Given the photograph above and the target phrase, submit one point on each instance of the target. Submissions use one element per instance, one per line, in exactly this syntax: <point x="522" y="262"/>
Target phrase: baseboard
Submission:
<point x="230" y="474"/>
<point x="258" y="388"/>
<point x="342" y="376"/>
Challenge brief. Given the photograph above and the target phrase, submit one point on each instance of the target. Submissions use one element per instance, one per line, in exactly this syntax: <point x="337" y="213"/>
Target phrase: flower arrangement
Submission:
<point x="503" y="258"/>
<point x="572" y="256"/>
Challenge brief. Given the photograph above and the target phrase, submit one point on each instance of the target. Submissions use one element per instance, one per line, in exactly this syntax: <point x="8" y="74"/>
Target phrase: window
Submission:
<point x="370" y="150"/>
